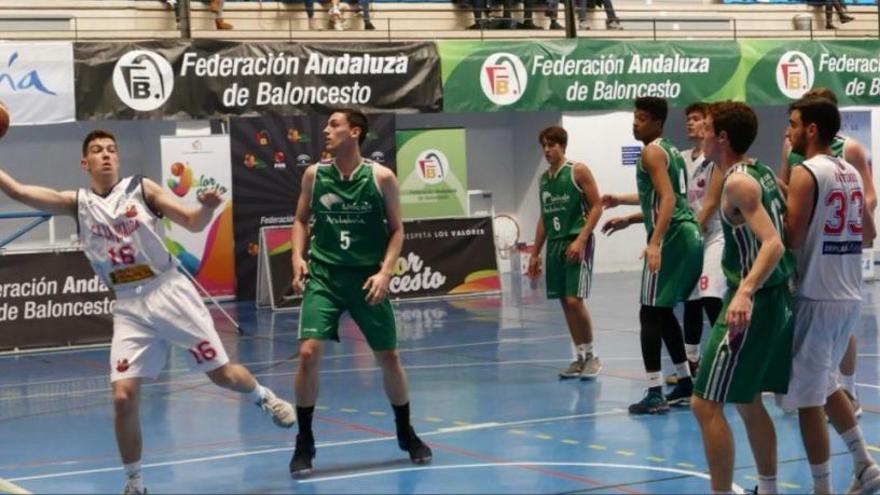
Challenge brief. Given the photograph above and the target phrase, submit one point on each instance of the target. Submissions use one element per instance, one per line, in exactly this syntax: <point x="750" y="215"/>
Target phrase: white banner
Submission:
<point x="36" y="82"/>
<point x="191" y="165"/>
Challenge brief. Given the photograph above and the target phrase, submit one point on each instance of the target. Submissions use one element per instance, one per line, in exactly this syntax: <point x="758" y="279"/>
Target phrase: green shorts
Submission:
<point x="332" y="290"/>
<point x="568" y="279"/>
<point x="759" y="360"/>
<point x="681" y="262"/>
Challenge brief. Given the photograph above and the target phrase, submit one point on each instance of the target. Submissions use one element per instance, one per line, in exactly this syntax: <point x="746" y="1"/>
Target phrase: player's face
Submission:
<point x="710" y="140"/>
<point x="101" y="160"/>
<point x="644" y="125"/>
<point x="694" y="125"/>
<point x="553" y="152"/>
<point x="796" y="133"/>
<point x="338" y="133"/>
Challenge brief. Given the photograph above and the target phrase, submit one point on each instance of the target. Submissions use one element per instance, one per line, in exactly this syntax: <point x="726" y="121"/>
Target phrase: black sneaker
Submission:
<point x="681" y="394"/>
<point x="652" y="403"/>
<point x="408" y="441"/>
<point x="554" y="25"/>
<point x="369" y="26"/>
<point x="301" y="462"/>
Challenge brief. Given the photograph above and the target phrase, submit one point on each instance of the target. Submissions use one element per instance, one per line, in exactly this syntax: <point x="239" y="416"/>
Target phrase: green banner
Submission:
<point x="432" y="167"/>
<point x="571" y="75"/>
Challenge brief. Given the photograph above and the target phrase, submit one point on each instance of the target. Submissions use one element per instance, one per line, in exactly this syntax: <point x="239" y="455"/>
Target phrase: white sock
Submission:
<point x="849" y="383"/>
<point x="682" y="370"/>
<point x="133" y="473"/>
<point x="856" y="445"/>
<point x="821" y="477"/>
<point x="767" y="484"/>
<point x="257" y="394"/>
<point x="692" y="351"/>
<point x="584" y="350"/>
<point x="655" y="379"/>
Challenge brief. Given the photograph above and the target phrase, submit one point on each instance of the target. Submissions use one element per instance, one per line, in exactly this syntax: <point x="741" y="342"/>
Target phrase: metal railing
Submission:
<point x="38" y="218"/>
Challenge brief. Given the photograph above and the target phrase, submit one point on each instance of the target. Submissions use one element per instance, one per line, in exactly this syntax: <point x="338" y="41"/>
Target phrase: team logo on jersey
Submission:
<point x="143" y="80"/>
<point x="181" y="179"/>
<point x="794" y="74"/>
<point x="122" y="365"/>
<point x="432" y="166"/>
<point x="131" y="212"/>
<point x="330" y="199"/>
<point x="545" y="196"/>
<point x="503" y="78"/>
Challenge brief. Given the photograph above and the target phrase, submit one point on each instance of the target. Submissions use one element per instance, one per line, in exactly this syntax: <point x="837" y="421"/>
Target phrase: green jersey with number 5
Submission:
<point x="349" y="226"/>
<point x="563" y="207"/>
<point x="649" y="200"/>
<point x="741" y="245"/>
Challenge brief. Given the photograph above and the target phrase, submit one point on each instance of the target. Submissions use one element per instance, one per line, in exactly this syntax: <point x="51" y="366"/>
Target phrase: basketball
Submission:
<point x="4" y="120"/>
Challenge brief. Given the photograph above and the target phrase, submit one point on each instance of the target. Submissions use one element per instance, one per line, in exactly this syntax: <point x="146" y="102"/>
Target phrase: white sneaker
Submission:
<point x="592" y="367"/>
<point x="584" y="25"/>
<point x="282" y="412"/>
<point x="866" y="481"/>
<point x="134" y="486"/>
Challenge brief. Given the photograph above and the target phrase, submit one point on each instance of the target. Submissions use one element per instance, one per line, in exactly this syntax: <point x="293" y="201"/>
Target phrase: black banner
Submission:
<point x="52" y="299"/>
<point x="269" y="157"/>
<point x="178" y="79"/>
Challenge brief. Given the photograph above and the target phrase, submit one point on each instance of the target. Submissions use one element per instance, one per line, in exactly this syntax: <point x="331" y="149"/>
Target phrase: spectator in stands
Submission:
<point x="481" y="14"/>
<point x="841" y="12"/>
<point x="216" y="6"/>
<point x="611" y="19"/>
<point x="336" y="20"/>
<point x="362" y="7"/>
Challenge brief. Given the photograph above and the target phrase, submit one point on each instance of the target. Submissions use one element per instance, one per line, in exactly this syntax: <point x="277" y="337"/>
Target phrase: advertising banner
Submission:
<point x="269" y="157"/>
<point x="592" y="74"/>
<point x="52" y="299"/>
<point x="432" y="171"/>
<point x="179" y="79"/>
<point x="191" y="166"/>
<point x="440" y="257"/>
<point x="36" y="82"/>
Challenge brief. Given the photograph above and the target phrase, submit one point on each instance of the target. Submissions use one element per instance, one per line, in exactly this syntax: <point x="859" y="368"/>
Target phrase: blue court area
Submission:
<point x="485" y="395"/>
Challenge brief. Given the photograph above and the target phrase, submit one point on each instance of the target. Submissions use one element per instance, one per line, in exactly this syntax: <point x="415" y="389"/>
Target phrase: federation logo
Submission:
<point x="432" y="166"/>
<point x="143" y="80"/>
<point x="503" y="78"/>
<point x="181" y="179"/>
<point x="794" y="74"/>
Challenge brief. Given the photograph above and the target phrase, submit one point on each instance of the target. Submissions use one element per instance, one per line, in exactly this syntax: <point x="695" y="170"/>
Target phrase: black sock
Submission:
<point x="650" y="337"/>
<point x="672" y="335"/>
<point x="401" y="416"/>
<point x="304" y="419"/>
<point x="712" y="306"/>
<point x="693" y="321"/>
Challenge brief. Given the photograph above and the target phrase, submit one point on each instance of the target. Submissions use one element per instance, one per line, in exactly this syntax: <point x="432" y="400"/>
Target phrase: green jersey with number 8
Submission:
<point x="349" y="226"/>
<point x="648" y="198"/>
<point x="562" y="203"/>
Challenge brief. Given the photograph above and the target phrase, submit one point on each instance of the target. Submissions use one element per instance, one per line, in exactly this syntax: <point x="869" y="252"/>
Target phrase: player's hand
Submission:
<point x="300" y="274"/>
<point x="210" y="199"/>
<point x="377" y="288"/>
<point x="610" y="201"/>
<point x="652" y="257"/>
<point x="534" y="269"/>
<point x="575" y="251"/>
<point x="739" y="314"/>
<point x="615" y="224"/>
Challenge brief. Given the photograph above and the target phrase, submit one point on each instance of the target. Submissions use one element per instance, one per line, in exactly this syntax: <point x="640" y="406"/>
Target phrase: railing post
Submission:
<point x="654" y="28"/>
<point x="185" y="19"/>
<point x="570" y="26"/>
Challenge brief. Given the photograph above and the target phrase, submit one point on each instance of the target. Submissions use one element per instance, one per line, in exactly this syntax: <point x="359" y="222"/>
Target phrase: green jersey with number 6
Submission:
<point x="741" y="245"/>
<point x="649" y="200"/>
<point x="562" y="203"/>
<point x="349" y="226"/>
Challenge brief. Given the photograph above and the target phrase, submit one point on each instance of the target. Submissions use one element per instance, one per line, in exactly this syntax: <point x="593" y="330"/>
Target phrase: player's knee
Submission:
<point x="704" y="410"/>
<point x="389" y="359"/>
<point x="124" y="401"/>
<point x="221" y="376"/>
<point x="309" y="357"/>
<point x="570" y="302"/>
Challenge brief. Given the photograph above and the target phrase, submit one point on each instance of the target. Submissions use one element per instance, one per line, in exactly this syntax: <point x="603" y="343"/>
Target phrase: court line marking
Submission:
<point x="695" y="474"/>
<point x="232" y="455"/>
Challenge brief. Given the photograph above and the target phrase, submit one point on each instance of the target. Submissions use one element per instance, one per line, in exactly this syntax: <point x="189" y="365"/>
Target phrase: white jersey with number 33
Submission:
<point x="829" y="261"/>
<point x="118" y="233"/>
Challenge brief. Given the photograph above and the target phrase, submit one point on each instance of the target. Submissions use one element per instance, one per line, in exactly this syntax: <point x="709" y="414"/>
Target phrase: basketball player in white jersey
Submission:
<point x="826" y="224"/>
<point x="156" y="306"/>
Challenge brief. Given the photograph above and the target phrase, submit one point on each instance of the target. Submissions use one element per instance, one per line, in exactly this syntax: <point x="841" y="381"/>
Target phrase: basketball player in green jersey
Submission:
<point x="570" y="210"/>
<point x="745" y="356"/>
<point x="855" y="154"/>
<point x="356" y="236"/>
<point x="673" y="256"/>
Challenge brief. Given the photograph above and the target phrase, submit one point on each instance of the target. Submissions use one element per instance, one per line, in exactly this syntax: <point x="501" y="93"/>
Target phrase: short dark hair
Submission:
<point x="822" y="92"/>
<point x="554" y="134"/>
<point x="96" y="134"/>
<point x="656" y="107"/>
<point x="698" y="107"/>
<point x="738" y="120"/>
<point x="355" y="118"/>
<point x="820" y="111"/>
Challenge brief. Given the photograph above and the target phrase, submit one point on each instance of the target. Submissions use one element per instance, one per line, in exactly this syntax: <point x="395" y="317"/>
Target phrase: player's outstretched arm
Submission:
<point x="192" y="219"/>
<point x="39" y="197"/>
<point x="300" y="231"/>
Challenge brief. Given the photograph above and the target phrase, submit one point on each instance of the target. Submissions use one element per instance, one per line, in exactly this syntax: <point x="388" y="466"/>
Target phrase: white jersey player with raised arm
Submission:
<point x="711" y="282"/>
<point x="156" y="305"/>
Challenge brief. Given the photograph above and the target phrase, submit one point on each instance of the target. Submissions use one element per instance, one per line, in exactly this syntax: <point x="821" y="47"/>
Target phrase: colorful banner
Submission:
<point x="440" y="257"/>
<point x="36" y="82"/>
<point x="591" y="74"/>
<point x="269" y="156"/>
<point x="191" y="166"/>
<point x="432" y="171"/>
<point x="52" y="299"/>
<point x="179" y="79"/>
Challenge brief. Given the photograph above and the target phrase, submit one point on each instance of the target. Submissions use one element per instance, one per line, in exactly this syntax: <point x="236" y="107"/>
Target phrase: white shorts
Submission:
<point x="711" y="282"/>
<point x="165" y="311"/>
<point x="821" y="334"/>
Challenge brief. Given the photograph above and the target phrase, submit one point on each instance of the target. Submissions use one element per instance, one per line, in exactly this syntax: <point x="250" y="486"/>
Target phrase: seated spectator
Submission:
<point x="611" y="19"/>
<point x="481" y="14"/>
<point x="216" y="6"/>
<point x="841" y="12"/>
<point x="362" y="7"/>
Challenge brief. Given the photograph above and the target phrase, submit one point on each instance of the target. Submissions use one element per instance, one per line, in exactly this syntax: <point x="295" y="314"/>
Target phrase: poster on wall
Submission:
<point x="36" y="82"/>
<point x="269" y="157"/>
<point x="190" y="167"/>
<point x="432" y="172"/>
